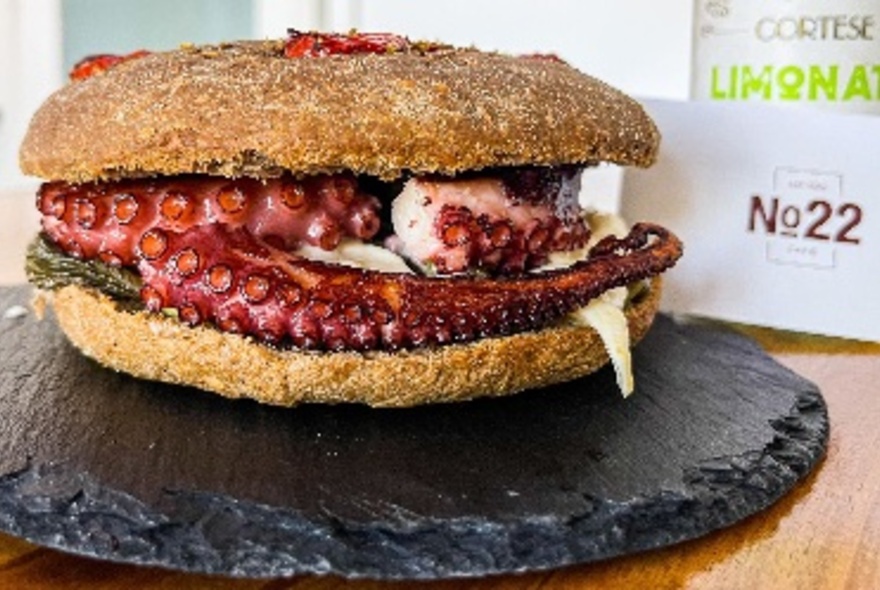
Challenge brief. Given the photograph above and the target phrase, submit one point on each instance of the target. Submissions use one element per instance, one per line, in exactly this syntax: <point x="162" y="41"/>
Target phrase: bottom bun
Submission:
<point x="162" y="349"/>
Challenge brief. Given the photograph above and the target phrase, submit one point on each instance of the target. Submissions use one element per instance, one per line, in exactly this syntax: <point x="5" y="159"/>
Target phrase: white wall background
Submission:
<point x="30" y="68"/>
<point x="641" y="46"/>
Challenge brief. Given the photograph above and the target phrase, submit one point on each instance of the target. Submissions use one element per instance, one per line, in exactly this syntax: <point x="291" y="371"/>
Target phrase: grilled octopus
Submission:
<point x="230" y="253"/>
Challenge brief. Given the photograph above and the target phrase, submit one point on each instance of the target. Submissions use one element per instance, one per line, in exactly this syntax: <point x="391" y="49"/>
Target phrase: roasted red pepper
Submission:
<point x="98" y="64"/>
<point x="300" y="44"/>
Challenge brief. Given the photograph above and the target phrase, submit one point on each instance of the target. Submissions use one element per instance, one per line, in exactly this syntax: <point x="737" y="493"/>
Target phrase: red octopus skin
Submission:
<point x="227" y="277"/>
<point x="106" y="220"/>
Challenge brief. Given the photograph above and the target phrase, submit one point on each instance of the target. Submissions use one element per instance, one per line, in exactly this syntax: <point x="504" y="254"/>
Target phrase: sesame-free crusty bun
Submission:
<point x="157" y="348"/>
<point x="341" y="218"/>
<point x="244" y="109"/>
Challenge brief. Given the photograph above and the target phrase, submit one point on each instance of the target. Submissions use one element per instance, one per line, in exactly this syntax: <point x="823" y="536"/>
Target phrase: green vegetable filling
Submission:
<point x="49" y="268"/>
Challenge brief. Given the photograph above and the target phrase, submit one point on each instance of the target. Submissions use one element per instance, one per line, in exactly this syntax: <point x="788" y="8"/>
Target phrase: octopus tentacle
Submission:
<point x="504" y="224"/>
<point x="107" y="219"/>
<point x="241" y="284"/>
<point x="219" y="251"/>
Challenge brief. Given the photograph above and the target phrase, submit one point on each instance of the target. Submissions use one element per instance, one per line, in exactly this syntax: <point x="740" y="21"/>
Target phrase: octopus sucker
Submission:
<point x="413" y="311"/>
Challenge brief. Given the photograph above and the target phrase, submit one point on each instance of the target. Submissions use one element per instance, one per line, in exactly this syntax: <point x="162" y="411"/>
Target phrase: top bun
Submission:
<point x="244" y="109"/>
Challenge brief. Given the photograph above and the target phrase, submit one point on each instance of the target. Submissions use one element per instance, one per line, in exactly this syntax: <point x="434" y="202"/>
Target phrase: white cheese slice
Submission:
<point x="605" y="313"/>
<point x="601" y="225"/>
<point x="609" y="321"/>
<point x="557" y="260"/>
<point x="357" y="254"/>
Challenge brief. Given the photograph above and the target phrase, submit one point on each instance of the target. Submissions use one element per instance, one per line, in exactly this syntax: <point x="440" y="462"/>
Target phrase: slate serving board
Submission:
<point x="101" y="464"/>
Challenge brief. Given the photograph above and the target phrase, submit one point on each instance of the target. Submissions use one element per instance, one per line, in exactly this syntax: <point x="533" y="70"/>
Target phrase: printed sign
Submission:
<point x="808" y="52"/>
<point x="779" y="210"/>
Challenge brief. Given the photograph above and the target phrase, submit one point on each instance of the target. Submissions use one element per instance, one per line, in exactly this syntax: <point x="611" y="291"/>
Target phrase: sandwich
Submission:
<point x="341" y="218"/>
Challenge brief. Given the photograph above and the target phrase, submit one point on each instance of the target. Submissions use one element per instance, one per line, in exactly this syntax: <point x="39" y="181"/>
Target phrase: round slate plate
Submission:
<point x="100" y="464"/>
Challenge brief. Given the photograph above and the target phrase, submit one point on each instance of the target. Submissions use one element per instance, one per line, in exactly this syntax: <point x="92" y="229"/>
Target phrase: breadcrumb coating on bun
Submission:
<point x="244" y="109"/>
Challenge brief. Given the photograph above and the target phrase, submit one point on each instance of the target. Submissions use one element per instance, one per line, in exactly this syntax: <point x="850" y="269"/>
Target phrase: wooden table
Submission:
<point x="824" y="534"/>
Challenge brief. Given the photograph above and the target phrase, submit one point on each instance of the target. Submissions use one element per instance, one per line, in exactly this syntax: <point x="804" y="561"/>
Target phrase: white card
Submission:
<point x="779" y="210"/>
